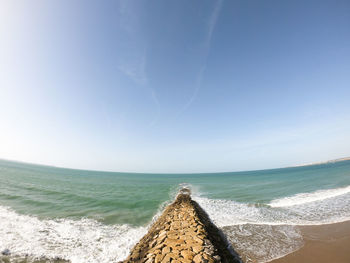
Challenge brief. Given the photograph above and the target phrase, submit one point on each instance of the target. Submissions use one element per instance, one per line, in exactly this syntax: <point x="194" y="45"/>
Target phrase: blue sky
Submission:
<point x="174" y="86"/>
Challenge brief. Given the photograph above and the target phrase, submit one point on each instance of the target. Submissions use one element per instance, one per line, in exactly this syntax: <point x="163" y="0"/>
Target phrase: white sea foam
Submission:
<point x="328" y="210"/>
<point x="304" y="198"/>
<point x="263" y="243"/>
<point x="79" y="241"/>
<point x="261" y="233"/>
<point x="258" y="232"/>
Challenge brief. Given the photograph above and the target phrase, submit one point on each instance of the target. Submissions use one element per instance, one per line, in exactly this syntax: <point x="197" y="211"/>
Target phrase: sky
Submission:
<point x="174" y="86"/>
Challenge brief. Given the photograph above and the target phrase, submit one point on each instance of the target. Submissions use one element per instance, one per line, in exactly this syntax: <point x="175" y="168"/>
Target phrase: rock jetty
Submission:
<point x="183" y="233"/>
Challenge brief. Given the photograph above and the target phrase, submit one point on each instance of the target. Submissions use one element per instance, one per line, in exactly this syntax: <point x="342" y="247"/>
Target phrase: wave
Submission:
<point x="263" y="243"/>
<point x="262" y="232"/>
<point x="247" y="226"/>
<point x="79" y="241"/>
<point x="304" y="198"/>
<point x="333" y="208"/>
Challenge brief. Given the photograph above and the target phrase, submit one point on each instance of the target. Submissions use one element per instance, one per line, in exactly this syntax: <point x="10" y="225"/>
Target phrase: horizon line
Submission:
<point x="159" y="173"/>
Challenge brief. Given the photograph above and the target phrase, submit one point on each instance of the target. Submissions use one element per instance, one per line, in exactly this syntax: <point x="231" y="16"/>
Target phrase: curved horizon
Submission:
<point x="184" y="173"/>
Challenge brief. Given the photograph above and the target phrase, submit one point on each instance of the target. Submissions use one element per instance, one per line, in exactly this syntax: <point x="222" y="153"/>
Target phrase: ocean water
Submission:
<point x="91" y="216"/>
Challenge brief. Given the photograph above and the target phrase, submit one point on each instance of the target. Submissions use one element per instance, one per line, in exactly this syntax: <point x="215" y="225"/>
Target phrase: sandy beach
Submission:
<point x="323" y="244"/>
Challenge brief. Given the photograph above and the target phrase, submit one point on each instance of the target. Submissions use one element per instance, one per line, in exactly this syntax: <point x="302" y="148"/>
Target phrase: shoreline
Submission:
<point x="322" y="244"/>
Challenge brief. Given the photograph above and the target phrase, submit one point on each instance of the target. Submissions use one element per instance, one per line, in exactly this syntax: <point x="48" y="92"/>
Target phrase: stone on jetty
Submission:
<point x="183" y="233"/>
<point x="6" y="252"/>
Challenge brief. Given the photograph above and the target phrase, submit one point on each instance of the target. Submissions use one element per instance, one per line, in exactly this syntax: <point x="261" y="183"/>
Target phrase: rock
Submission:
<point x="172" y="255"/>
<point x="185" y="224"/>
<point x="176" y="224"/>
<point x="162" y="233"/>
<point x="161" y="239"/>
<point x="193" y="243"/>
<point x="209" y="250"/>
<point x="186" y="237"/>
<point x="166" y="259"/>
<point x="6" y="252"/>
<point x="197" y="249"/>
<point x="153" y="243"/>
<point x="166" y="250"/>
<point x="173" y="242"/>
<point x="151" y="255"/>
<point x="172" y="232"/>
<point x="191" y="233"/>
<point x="173" y="236"/>
<point x="198" y="259"/>
<point x="187" y="254"/>
<point x="183" y="233"/>
<point x="158" y="258"/>
<point x="217" y="258"/>
<point x="198" y="240"/>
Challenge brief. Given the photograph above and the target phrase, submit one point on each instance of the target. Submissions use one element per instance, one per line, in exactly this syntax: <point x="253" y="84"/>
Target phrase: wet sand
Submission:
<point x="323" y="244"/>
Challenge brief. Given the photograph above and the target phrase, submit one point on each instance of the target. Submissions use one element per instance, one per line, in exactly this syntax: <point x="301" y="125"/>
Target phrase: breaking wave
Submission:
<point x="304" y="198"/>
<point x="303" y="209"/>
<point x="263" y="232"/>
<point x="259" y="232"/>
<point x="79" y="241"/>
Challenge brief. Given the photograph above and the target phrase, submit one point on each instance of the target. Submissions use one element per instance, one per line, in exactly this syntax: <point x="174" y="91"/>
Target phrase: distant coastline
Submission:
<point x="324" y="162"/>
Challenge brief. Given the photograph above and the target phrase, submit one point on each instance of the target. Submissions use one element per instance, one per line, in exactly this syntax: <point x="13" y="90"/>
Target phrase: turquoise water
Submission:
<point x="104" y="204"/>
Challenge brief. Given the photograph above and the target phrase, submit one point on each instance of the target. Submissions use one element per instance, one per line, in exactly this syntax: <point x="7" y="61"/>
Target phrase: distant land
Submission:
<point x="325" y="162"/>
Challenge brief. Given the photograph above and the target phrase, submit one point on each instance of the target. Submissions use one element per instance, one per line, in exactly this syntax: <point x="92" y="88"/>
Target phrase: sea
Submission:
<point x="92" y="216"/>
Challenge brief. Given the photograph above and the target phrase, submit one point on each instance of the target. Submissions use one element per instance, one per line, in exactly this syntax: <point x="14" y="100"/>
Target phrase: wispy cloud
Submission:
<point x="212" y="21"/>
<point x="135" y="68"/>
<point x="133" y="63"/>
<point x="207" y="43"/>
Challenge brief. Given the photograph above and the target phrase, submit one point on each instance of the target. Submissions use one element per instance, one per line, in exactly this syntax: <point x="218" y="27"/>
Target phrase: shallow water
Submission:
<point x="84" y="215"/>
